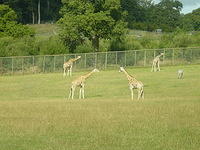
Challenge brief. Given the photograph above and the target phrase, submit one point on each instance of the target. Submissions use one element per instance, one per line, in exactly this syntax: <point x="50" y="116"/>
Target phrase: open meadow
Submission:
<point x="35" y="113"/>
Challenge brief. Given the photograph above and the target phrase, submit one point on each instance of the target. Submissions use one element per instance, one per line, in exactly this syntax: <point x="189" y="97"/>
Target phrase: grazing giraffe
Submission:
<point x="68" y="66"/>
<point x="180" y="74"/>
<point x="134" y="84"/>
<point x="80" y="82"/>
<point x="156" y="63"/>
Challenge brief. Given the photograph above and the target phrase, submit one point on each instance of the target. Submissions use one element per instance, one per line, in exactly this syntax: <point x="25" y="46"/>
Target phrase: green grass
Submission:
<point x="35" y="115"/>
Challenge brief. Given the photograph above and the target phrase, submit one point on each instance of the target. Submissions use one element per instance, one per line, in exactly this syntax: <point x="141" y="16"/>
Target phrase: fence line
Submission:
<point x="101" y="60"/>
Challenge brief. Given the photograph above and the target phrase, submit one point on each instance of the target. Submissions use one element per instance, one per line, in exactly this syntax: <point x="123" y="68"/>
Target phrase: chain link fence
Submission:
<point x="100" y="60"/>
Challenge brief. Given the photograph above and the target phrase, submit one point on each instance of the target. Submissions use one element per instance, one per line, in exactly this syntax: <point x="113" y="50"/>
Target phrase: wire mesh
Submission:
<point x="100" y="60"/>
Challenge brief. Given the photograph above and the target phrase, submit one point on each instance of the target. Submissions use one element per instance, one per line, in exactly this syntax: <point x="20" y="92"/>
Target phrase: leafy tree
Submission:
<point x="34" y="11"/>
<point x="166" y="14"/>
<point x="91" y="19"/>
<point x="191" y="21"/>
<point x="9" y="26"/>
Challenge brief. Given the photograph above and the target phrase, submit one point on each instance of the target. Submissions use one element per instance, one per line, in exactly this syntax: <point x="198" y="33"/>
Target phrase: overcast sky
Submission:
<point x="188" y="5"/>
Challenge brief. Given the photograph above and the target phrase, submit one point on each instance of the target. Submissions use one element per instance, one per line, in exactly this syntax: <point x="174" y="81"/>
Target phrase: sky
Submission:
<point x="188" y="5"/>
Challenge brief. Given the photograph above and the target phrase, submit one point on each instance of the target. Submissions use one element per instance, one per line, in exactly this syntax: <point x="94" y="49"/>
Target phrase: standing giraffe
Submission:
<point x="134" y="84"/>
<point x="80" y="82"/>
<point x="68" y="66"/>
<point x="156" y="63"/>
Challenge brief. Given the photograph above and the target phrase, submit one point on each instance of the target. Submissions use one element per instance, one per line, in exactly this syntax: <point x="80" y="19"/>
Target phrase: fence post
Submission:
<point x="33" y="63"/>
<point x="12" y="66"/>
<point x="22" y="65"/>
<point x="183" y="55"/>
<point x="63" y="59"/>
<point x="125" y="57"/>
<point x="145" y="55"/>
<point x="116" y="57"/>
<point x="95" y="60"/>
<point x="75" y="62"/>
<point x="54" y="64"/>
<point x="85" y="60"/>
<point x="173" y="57"/>
<point x="43" y="64"/>
<point x="164" y="57"/>
<point x="135" y="58"/>
<point x="1" y="65"/>
<point x="106" y="60"/>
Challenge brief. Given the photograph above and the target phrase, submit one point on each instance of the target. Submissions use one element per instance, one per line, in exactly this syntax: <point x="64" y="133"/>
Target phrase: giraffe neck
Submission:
<point x="75" y="59"/>
<point x="88" y="75"/>
<point x="129" y="77"/>
<point x="158" y="56"/>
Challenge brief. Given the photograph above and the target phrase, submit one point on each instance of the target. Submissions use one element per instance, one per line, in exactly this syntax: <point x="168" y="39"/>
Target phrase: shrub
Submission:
<point x="51" y="46"/>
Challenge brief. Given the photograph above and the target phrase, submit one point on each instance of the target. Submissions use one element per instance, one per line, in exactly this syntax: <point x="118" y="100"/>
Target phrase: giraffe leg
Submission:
<point x="70" y="93"/>
<point x="83" y="92"/>
<point x="71" y="71"/>
<point x="139" y="94"/>
<point x="67" y="72"/>
<point x="143" y="93"/>
<point x="131" y="93"/>
<point x="158" y="66"/>
<point x="80" y="93"/>
<point x="155" y="67"/>
<point x="152" y="68"/>
<point x="64" y="73"/>
<point x="73" y="89"/>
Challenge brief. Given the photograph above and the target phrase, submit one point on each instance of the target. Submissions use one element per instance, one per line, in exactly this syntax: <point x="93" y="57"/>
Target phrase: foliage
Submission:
<point x="9" y="26"/>
<point x="51" y="46"/>
<point x="166" y="14"/>
<point x="83" y="19"/>
<point x="10" y="46"/>
<point x="191" y="21"/>
<point x="27" y="10"/>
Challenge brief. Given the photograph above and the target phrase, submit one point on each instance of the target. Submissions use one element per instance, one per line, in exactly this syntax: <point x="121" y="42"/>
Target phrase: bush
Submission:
<point x="132" y="44"/>
<point x="10" y="46"/>
<point x="51" y="46"/>
<point x="85" y="48"/>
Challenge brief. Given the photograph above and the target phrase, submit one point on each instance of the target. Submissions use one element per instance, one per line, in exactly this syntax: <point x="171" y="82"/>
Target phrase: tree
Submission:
<point x="35" y="11"/>
<point x="91" y="19"/>
<point x="9" y="25"/>
<point x="166" y="14"/>
<point x="191" y="21"/>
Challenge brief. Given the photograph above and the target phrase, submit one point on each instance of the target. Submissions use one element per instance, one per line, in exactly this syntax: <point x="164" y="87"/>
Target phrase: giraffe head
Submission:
<point x="161" y="54"/>
<point x="95" y="70"/>
<point x="121" y="69"/>
<point x="79" y="57"/>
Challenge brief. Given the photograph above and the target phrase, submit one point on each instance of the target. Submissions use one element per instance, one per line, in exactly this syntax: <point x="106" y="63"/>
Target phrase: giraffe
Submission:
<point x="68" y="66"/>
<point x="156" y="63"/>
<point x="134" y="84"/>
<point x="80" y="82"/>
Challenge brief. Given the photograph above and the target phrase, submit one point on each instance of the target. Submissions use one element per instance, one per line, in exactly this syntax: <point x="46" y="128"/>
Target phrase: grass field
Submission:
<point x="35" y="114"/>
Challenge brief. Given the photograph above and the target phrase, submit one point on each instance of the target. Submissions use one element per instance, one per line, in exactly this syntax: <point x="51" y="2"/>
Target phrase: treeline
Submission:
<point x="140" y="14"/>
<point x="94" y="25"/>
<point x="35" y="11"/>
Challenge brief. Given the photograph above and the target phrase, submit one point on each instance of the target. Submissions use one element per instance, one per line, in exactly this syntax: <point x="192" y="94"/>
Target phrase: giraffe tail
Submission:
<point x="142" y="93"/>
